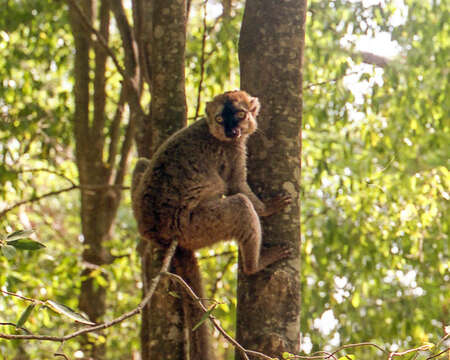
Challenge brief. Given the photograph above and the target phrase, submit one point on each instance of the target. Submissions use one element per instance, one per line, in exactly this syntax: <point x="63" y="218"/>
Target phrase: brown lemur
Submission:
<point x="195" y="190"/>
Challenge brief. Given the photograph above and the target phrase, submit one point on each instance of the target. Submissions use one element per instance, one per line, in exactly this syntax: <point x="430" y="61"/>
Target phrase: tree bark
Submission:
<point x="162" y="332"/>
<point x="270" y="54"/>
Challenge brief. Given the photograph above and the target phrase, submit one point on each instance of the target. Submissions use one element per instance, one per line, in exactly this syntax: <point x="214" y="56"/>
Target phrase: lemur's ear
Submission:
<point x="254" y="106"/>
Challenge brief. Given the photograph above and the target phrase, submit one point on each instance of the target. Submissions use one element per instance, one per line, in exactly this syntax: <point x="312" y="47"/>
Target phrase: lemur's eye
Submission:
<point x="240" y="115"/>
<point x="219" y="119"/>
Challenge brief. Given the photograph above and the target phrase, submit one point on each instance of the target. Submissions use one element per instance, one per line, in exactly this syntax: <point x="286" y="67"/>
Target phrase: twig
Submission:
<point x="215" y="322"/>
<point x="435" y="356"/>
<point x="60" y="191"/>
<point x="216" y="255"/>
<point x="191" y="293"/>
<point x="359" y="345"/>
<point x="306" y="87"/>
<point x="202" y="61"/>
<point x="62" y="355"/>
<point x="99" y="37"/>
<point x="38" y="198"/>
<point x="219" y="278"/>
<point x="17" y="295"/>
<point x="50" y="171"/>
<point x="165" y="266"/>
<point x="15" y="325"/>
<point x="401" y="353"/>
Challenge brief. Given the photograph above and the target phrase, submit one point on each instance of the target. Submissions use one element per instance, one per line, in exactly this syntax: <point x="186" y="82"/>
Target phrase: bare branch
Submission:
<point x="216" y="324"/>
<point x="309" y="86"/>
<point x="128" y="41"/>
<point x="165" y="266"/>
<point x="37" y="198"/>
<point x="216" y="255"/>
<point x="56" y="354"/>
<point x="19" y="296"/>
<point x="401" y="353"/>
<point x="127" y="143"/>
<point x="439" y="354"/>
<point x="114" y="134"/>
<point x="202" y="60"/>
<point x="15" y="325"/>
<point x="50" y="171"/>
<point x="132" y="73"/>
<point x="99" y="37"/>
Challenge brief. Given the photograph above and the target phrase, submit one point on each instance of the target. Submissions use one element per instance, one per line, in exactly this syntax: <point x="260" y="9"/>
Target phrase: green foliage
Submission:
<point x="376" y="179"/>
<point x="18" y="240"/>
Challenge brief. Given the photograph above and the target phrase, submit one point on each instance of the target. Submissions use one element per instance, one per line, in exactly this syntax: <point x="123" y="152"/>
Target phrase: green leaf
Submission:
<point x="19" y="234"/>
<point x="9" y="251"/>
<point x="67" y="311"/>
<point x="25" y="315"/>
<point x="348" y="357"/>
<point x="26" y="244"/>
<point x="203" y="319"/>
<point x="356" y="300"/>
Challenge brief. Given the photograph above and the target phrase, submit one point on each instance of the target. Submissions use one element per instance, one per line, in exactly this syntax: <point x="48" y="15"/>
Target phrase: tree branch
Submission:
<point x="132" y="73"/>
<point x="60" y="191"/>
<point x="101" y="56"/>
<point x="127" y="143"/>
<point x="37" y="198"/>
<point x="202" y="61"/>
<point x="165" y="266"/>
<point x="114" y="134"/>
<point x="50" y="171"/>
<point x="99" y="37"/>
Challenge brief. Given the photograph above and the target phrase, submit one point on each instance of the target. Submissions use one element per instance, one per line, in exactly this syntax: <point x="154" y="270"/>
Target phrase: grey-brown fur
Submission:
<point x="195" y="187"/>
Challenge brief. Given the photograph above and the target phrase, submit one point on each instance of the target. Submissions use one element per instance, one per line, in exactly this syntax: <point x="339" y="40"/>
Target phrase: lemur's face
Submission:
<point x="232" y="115"/>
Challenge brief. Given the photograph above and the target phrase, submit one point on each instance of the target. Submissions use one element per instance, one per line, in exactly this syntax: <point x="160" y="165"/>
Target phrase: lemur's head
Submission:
<point x="232" y="115"/>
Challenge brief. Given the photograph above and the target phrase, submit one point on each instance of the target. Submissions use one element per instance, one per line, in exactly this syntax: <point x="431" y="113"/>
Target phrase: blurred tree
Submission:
<point x="101" y="151"/>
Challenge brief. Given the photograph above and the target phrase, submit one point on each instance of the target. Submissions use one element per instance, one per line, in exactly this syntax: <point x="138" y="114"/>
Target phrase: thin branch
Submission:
<point x="229" y="262"/>
<point x="50" y="171"/>
<point x="99" y="37"/>
<point x="359" y="345"/>
<point x="19" y="296"/>
<point x="127" y="143"/>
<point x="202" y="60"/>
<point x="328" y="355"/>
<point x="114" y="133"/>
<point x="165" y="266"/>
<point x="435" y="356"/>
<point x="126" y="33"/>
<point x="56" y="354"/>
<point x="37" y="198"/>
<point x="132" y="73"/>
<point x="216" y="255"/>
<point x="401" y="353"/>
<point x="192" y="294"/>
<point x="12" y="324"/>
<point x="60" y="191"/>
<point x="309" y="86"/>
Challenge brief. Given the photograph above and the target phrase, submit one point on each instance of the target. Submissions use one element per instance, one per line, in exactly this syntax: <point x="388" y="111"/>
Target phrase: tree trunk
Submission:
<point x="270" y="53"/>
<point x="100" y="179"/>
<point x="162" y="332"/>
